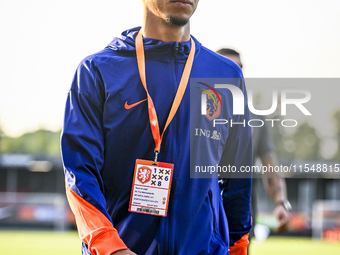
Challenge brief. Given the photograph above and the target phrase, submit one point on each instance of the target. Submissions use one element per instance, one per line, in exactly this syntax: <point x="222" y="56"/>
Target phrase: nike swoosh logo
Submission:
<point x="129" y="106"/>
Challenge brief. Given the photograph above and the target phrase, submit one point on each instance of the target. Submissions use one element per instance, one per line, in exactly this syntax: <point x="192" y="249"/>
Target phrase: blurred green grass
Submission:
<point x="39" y="243"/>
<point x="68" y="243"/>
<point x="294" y="246"/>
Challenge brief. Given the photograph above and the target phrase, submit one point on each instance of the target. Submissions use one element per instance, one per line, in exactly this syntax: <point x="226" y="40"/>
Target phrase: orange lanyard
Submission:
<point x="179" y="94"/>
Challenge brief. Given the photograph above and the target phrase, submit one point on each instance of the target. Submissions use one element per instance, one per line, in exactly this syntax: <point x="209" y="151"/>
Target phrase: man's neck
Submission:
<point x="156" y="28"/>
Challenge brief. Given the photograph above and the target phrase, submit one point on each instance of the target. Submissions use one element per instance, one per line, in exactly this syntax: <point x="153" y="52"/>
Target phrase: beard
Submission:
<point x="175" y="21"/>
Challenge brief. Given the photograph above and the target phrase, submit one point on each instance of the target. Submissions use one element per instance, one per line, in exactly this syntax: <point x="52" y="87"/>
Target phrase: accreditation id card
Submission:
<point x="151" y="187"/>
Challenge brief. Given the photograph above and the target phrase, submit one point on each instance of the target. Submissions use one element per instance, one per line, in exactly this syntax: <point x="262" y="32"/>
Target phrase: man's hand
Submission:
<point x="282" y="216"/>
<point x="124" y="252"/>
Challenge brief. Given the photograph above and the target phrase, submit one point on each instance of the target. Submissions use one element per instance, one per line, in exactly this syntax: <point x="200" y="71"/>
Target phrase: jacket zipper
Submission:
<point x="176" y="49"/>
<point x="169" y="249"/>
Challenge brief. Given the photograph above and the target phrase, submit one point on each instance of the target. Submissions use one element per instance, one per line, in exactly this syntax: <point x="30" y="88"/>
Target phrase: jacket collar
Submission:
<point x="126" y="43"/>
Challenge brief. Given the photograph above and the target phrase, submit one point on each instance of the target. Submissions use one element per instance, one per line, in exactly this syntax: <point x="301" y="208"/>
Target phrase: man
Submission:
<point x="263" y="149"/>
<point x="120" y="104"/>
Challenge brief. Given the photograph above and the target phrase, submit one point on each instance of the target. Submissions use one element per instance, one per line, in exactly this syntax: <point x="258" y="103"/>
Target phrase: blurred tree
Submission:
<point x="40" y="142"/>
<point x="307" y="142"/>
<point x="302" y="142"/>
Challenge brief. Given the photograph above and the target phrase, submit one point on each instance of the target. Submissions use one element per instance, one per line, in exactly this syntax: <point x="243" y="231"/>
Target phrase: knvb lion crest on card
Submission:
<point x="212" y="102"/>
<point x="144" y="174"/>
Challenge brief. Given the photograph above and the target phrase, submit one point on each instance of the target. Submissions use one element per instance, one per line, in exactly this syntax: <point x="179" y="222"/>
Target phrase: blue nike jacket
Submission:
<point x="104" y="132"/>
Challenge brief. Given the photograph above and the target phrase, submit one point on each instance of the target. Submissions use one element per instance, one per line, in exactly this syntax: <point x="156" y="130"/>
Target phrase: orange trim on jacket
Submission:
<point x="240" y="247"/>
<point x="94" y="228"/>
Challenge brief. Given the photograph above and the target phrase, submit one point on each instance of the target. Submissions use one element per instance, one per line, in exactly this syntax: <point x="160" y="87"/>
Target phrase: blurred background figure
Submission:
<point x="264" y="150"/>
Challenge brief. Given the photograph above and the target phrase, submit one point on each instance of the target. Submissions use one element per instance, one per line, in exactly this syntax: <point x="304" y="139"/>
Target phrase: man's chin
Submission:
<point x="177" y="21"/>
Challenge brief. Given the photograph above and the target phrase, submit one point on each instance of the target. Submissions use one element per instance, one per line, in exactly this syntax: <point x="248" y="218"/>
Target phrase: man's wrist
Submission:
<point x="285" y="203"/>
